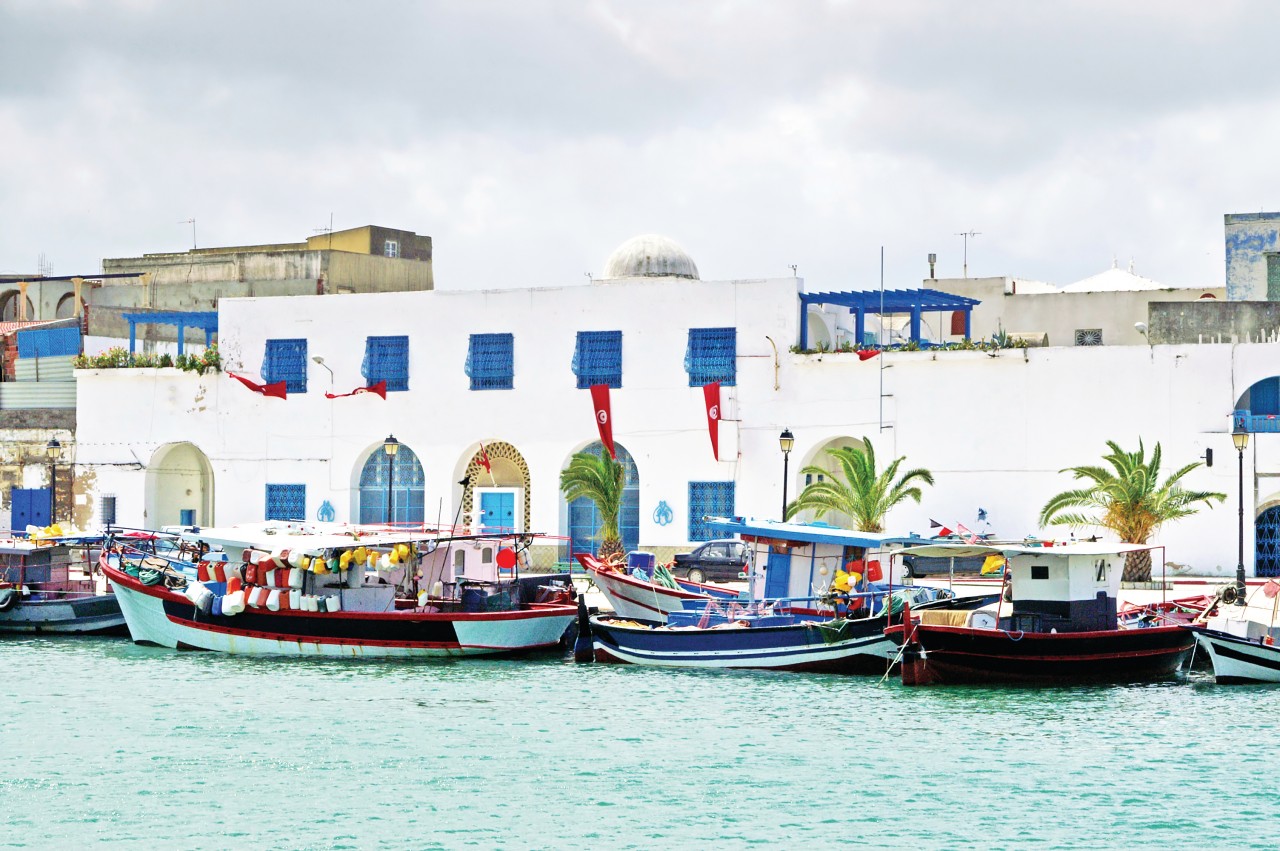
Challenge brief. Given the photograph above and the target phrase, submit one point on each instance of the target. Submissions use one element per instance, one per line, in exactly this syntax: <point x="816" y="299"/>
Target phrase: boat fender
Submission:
<point x="273" y="601"/>
<point x="233" y="603"/>
<point x="333" y="604"/>
<point x="344" y="559"/>
<point x="9" y="597"/>
<point x="245" y="555"/>
<point x="233" y="584"/>
<point x="295" y="599"/>
<point x="251" y="575"/>
<point x="320" y="604"/>
<point x="216" y="611"/>
<point x="437" y="589"/>
<point x="202" y="572"/>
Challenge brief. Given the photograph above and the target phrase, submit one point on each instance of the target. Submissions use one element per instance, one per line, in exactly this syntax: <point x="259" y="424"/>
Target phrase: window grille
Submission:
<point x="708" y="499"/>
<point x="109" y="510"/>
<point x="712" y="356"/>
<point x="1089" y="337"/>
<point x="286" y="502"/>
<point x="286" y="360"/>
<point x="386" y="358"/>
<point x="597" y="358"/>
<point x="490" y="361"/>
<point x="1267" y="543"/>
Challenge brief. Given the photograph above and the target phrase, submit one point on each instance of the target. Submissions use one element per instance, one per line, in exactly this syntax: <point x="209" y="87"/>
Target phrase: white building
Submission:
<point x="995" y="428"/>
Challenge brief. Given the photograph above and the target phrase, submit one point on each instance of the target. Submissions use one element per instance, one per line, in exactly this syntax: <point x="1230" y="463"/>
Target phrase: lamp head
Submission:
<point x="53" y="447"/>
<point x="1141" y="328"/>
<point x="1240" y="439"/>
<point x="318" y="359"/>
<point x="391" y="446"/>
<point x="786" y="440"/>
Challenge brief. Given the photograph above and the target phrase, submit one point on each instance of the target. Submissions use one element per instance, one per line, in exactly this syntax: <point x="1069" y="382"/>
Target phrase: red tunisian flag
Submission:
<point x="379" y="389"/>
<point x="600" y="399"/>
<point x="277" y="390"/>
<point x="711" y="393"/>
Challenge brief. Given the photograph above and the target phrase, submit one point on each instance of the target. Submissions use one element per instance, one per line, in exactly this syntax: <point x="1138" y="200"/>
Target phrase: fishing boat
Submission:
<point x="811" y="607"/>
<point x="637" y="590"/>
<point x="1240" y="640"/>
<point x="329" y="592"/>
<point x="1059" y="625"/>
<point x="49" y="587"/>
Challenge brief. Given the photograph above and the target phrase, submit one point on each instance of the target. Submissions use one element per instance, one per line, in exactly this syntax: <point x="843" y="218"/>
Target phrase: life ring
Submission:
<point x="9" y="597"/>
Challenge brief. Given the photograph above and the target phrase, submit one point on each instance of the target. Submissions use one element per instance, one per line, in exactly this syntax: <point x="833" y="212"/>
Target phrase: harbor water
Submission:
<point x="109" y="743"/>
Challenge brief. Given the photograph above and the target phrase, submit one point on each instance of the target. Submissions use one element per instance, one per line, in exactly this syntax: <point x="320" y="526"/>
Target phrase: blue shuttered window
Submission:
<point x="597" y="358"/>
<point x="386" y="358"/>
<point x="286" y="502"/>
<point x="286" y="360"/>
<point x="48" y="342"/>
<point x="712" y="356"/>
<point x="708" y="499"/>
<point x="490" y="361"/>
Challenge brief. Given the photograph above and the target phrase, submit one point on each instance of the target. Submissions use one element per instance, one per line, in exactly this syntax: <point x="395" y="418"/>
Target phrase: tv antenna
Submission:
<point x="191" y="222"/>
<point x="966" y="234"/>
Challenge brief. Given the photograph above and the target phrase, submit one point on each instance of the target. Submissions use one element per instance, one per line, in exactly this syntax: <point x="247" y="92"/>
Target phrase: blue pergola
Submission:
<point x="207" y="321"/>
<point x="883" y="303"/>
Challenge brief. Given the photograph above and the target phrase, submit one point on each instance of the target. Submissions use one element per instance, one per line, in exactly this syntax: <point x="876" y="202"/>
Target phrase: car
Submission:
<point x="715" y="561"/>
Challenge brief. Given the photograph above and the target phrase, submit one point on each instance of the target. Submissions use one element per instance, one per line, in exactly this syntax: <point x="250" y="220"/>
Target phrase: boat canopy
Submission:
<point x="809" y="533"/>
<point x="1082" y="548"/>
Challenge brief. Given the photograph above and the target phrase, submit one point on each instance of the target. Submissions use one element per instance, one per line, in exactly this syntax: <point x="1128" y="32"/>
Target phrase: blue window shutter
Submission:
<point x="386" y="358"/>
<point x="597" y="358"/>
<point x="1264" y="398"/>
<point x="712" y="355"/>
<point x="286" y="360"/>
<point x="708" y="499"/>
<point x="490" y="361"/>
<point x="286" y="502"/>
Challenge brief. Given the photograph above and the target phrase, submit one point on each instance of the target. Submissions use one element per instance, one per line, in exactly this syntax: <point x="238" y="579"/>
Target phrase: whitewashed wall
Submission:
<point x="994" y="430"/>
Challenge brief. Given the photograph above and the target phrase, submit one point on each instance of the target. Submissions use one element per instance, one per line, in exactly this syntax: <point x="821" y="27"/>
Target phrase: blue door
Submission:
<point x="29" y="507"/>
<point x="1267" y="542"/>
<point x="497" y="512"/>
<point x="777" y="575"/>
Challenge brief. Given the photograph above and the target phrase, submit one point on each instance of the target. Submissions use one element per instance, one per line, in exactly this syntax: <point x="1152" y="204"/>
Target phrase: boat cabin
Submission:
<point x="1070" y="588"/>
<point x="800" y="560"/>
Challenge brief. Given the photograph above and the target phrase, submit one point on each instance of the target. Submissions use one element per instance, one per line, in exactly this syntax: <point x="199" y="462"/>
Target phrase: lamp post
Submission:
<point x="390" y="446"/>
<point x="53" y="448"/>
<point x="1241" y="439"/>
<point x="320" y="362"/>
<point x="785" y="441"/>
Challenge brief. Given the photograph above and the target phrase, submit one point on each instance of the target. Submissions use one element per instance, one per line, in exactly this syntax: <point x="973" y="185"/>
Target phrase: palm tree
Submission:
<point x="1129" y="500"/>
<point x="865" y="495"/>
<point x="602" y="480"/>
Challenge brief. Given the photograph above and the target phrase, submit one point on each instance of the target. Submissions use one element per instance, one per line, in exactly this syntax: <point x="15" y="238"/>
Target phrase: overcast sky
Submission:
<point x="530" y="138"/>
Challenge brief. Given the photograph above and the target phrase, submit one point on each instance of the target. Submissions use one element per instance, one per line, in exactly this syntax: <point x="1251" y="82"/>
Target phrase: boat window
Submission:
<point x="459" y="562"/>
<point x="1039" y="571"/>
<point x="486" y="555"/>
<point x="1100" y="570"/>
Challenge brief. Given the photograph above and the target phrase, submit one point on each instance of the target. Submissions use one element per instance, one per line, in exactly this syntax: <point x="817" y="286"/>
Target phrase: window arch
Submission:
<point x="584" y="521"/>
<point x="407" y="488"/>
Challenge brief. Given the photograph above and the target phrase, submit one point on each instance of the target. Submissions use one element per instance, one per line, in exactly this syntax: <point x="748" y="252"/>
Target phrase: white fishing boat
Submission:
<point x="348" y="593"/>
<point x="49" y="587"/>
<point x="1241" y="641"/>
<point x="636" y="592"/>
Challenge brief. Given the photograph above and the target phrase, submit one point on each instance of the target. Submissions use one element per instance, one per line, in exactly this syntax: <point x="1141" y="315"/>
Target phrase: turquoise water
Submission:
<point x="106" y="742"/>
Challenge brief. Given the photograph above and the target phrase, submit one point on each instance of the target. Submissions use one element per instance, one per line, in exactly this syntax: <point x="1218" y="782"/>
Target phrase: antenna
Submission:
<point x="966" y="234"/>
<point x="191" y="222"/>
<point x="793" y="270"/>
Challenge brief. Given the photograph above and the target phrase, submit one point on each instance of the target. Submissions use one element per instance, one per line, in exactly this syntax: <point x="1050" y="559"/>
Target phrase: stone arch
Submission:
<point x="820" y="335"/>
<point x="66" y="307"/>
<point x="507" y="469"/>
<point x="9" y="303"/>
<point x="179" y="479"/>
<point x="1262" y="401"/>
<point x="578" y="520"/>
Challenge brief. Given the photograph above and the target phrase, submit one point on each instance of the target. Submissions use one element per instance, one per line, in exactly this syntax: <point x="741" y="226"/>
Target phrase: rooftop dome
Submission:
<point x="650" y="256"/>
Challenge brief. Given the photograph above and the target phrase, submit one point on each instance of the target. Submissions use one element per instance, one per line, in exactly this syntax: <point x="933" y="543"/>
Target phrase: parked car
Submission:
<point x="714" y="561"/>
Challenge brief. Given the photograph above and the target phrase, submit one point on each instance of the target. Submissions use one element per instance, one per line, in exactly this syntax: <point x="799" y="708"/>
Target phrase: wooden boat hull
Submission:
<point x="938" y="655"/>
<point x="161" y="617"/>
<point x="1239" y="660"/>
<point x="857" y="647"/>
<point x="76" y="615"/>
<point x="632" y="598"/>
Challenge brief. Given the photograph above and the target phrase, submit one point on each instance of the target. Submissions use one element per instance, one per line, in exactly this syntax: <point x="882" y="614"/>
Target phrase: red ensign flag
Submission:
<point x="711" y="393"/>
<point x="600" y="400"/>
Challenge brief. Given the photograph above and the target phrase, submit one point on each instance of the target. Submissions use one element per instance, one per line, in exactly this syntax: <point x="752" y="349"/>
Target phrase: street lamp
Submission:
<point x="785" y="441"/>
<point x="320" y="362"/>
<point x="1241" y="439"/>
<point x="390" y="446"/>
<point x="53" y="448"/>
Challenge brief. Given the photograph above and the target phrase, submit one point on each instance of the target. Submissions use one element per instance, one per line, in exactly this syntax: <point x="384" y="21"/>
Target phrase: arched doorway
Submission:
<point x="398" y="485"/>
<point x="9" y="307"/>
<point x="582" y="521"/>
<point x="179" y="487"/>
<point x="66" y="307"/>
<point x="496" y="498"/>
<point x="829" y="469"/>
<point x="1266" y="542"/>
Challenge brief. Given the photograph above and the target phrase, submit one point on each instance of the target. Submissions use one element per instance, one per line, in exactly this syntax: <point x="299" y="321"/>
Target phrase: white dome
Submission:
<point x="650" y="256"/>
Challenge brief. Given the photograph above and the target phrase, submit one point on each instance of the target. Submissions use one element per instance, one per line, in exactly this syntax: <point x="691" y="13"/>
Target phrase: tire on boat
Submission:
<point x="9" y="597"/>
